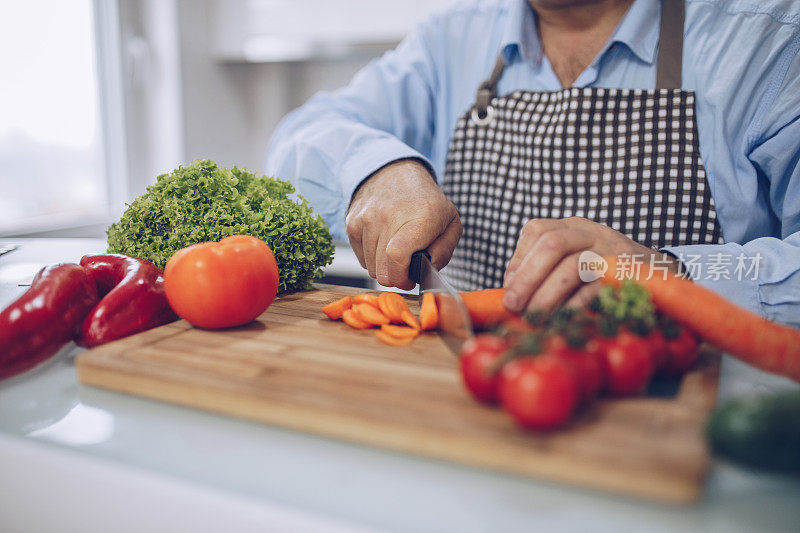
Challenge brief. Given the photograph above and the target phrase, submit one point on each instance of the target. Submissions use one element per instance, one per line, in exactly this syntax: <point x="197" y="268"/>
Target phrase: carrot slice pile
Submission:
<point x="428" y="312"/>
<point x="393" y="305"/>
<point x="409" y="318"/>
<point x="370" y="299"/>
<point x="335" y="310"/>
<point x="393" y="341"/>
<point x="352" y="320"/>
<point x="370" y="315"/>
<point x="485" y="309"/>
<point x="398" y="326"/>
<point x="399" y="331"/>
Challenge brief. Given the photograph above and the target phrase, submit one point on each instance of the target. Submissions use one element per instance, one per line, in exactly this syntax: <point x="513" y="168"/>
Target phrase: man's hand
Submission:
<point x="398" y="210"/>
<point x="543" y="272"/>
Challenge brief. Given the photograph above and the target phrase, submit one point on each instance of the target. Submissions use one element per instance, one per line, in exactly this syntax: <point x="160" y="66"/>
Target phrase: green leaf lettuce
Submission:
<point x="205" y="202"/>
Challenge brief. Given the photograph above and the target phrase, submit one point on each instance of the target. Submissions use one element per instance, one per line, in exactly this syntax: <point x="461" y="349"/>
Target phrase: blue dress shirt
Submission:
<point x="740" y="57"/>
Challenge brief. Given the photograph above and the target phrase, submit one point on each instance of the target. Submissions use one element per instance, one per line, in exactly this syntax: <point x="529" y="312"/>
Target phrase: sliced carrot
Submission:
<point x="409" y="318"/>
<point x="486" y="307"/>
<point x="352" y="320"/>
<point x="399" y="331"/>
<point x="755" y="340"/>
<point x="428" y="312"/>
<point x="370" y="315"/>
<point x="370" y="299"/>
<point x="394" y="341"/>
<point x="392" y="305"/>
<point x="336" y="309"/>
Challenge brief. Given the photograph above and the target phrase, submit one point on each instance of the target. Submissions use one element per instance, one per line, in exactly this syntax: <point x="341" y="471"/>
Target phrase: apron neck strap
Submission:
<point x="668" y="67"/>
<point x="488" y="88"/>
<point x="670" y="45"/>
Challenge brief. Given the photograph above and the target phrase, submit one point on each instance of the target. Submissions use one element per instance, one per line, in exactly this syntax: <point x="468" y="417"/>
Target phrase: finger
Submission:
<point x="354" y="235"/>
<point x="410" y="237"/>
<point x="382" y="261"/>
<point x="355" y="245"/>
<point x="528" y="236"/>
<point x="369" y="243"/>
<point x="585" y="294"/>
<point x="441" y="249"/>
<point x="558" y="286"/>
<point x="543" y="257"/>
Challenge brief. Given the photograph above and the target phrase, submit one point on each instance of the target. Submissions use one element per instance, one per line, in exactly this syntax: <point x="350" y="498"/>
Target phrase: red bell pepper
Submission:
<point x="45" y="318"/>
<point x="133" y="299"/>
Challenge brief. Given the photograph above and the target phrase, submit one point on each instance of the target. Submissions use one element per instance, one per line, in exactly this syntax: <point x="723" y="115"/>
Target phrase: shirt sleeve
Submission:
<point x="332" y="143"/>
<point x="763" y="275"/>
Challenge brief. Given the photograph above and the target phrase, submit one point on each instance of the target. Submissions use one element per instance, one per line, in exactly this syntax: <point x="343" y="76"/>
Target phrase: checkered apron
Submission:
<point x="626" y="158"/>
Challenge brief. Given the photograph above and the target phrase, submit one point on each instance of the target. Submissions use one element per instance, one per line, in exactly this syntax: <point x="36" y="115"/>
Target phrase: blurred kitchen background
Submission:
<point x="99" y="97"/>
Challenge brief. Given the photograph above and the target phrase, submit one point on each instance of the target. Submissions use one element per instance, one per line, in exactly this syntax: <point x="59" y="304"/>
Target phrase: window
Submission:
<point x="57" y="150"/>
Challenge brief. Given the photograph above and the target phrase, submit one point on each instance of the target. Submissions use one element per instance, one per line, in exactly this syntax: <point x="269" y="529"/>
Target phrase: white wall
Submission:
<point x="230" y="109"/>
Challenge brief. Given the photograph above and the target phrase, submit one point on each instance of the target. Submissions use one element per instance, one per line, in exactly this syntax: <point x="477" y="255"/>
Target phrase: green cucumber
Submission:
<point x="760" y="431"/>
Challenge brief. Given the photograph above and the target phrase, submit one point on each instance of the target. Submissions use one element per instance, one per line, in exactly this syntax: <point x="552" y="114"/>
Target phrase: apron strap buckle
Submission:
<point x="483" y="113"/>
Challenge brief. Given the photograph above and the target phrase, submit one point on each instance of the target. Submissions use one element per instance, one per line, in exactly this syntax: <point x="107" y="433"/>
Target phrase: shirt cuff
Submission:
<point x="372" y="157"/>
<point x="724" y="269"/>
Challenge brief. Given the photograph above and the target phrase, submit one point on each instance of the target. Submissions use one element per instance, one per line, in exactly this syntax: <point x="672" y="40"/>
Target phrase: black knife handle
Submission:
<point x="415" y="268"/>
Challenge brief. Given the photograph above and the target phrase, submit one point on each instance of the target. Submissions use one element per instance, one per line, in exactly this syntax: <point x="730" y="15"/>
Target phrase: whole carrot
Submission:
<point x="486" y="307"/>
<point x="759" y="342"/>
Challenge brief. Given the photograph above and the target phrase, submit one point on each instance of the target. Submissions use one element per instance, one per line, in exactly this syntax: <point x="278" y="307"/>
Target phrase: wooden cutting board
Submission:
<point x="296" y="369"/>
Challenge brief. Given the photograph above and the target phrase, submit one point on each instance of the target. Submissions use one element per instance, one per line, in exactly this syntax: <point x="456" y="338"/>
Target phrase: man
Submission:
<point x="543" y="129"/>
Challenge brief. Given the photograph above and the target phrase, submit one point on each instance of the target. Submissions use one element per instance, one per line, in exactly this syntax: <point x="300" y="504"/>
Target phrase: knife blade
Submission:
<point x="455" y="326"/>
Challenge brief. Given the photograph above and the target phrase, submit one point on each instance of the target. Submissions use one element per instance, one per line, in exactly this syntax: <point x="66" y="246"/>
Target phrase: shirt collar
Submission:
<point x="521" y="35"/>
<point x="638" y="30"/>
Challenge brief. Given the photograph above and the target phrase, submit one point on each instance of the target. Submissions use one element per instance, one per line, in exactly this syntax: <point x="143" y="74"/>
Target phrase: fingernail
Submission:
<point x="511" y="301"/>
<point x="508" y="279"/>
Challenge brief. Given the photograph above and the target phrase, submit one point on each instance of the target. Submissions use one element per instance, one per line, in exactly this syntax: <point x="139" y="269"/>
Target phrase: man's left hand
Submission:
<point x="543" y="272"/>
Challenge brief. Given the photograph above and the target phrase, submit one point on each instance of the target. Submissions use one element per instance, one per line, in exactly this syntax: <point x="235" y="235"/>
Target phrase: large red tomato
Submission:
<point x="222" y="284"/>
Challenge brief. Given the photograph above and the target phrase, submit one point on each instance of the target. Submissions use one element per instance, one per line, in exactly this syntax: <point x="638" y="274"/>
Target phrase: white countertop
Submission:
<point x="79" y="458"/>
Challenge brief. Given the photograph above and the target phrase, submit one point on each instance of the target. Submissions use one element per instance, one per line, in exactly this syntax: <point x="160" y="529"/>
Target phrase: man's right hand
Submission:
<point x="398" y="210"/>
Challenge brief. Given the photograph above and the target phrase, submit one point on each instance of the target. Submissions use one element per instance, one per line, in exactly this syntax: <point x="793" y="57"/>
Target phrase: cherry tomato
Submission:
<point x="658" y="345"/>
<point x="539" y="392"/>
<point x="478" y="356"/>
<point x="681" y="353"/>
<point x="221" y="284"/>
<point x="629" y="363"/>
<point x="586" y="362"/>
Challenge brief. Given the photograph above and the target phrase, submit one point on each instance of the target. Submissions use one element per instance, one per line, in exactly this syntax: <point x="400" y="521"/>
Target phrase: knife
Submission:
<point x="455" y="326"/>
